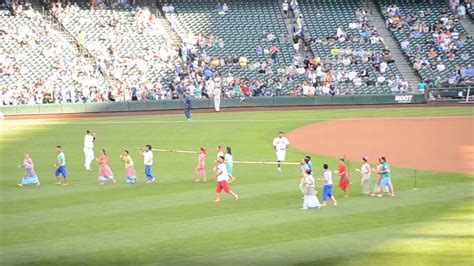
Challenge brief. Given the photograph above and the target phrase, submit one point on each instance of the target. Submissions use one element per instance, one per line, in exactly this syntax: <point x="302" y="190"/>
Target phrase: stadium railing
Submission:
<point x="451" y="94"/>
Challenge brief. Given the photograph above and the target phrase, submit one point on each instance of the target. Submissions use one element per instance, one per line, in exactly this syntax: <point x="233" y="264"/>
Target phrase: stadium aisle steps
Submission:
<point x="308" y="52"/>
<point x="400" y="60"/>
<point x="176" y="40"/>
<point x="66" y="35"/>
<point x="468" y="25"/>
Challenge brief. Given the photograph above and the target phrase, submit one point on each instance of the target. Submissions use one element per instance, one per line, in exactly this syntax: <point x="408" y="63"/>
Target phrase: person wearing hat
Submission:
<point x="365" y="172"/>
<point x="280" y="144"/>
<point x="344" y="181"/>
<point x="89" y="139"/>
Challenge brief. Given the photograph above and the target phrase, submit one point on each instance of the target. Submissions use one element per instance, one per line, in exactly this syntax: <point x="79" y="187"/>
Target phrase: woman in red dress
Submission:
<point x="344" y="181"/>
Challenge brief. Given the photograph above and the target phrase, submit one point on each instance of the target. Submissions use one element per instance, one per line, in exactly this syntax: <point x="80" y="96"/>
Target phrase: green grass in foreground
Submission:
<point x="176" y="222"/>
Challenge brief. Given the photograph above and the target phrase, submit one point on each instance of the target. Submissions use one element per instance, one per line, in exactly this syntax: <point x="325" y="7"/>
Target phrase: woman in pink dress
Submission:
<point x="30" y="176"/>
<point x="105" y="173"/>
<point x="201" y="167"/>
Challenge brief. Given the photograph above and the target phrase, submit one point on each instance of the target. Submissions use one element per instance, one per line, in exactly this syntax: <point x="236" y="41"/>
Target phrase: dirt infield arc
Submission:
<point x="427" y="143"/>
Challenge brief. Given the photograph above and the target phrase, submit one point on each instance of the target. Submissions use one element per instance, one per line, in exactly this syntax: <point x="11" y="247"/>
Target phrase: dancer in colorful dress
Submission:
<point x="344" y="181"/>
<point x="130" y="172"/>
<point x="201" y="167"/>
<point x="310" y="199"/>
<point x="30" y="175"/>
<point x="105" y="173"/>
<point x="229" y="161"/>
<point x="366" y="173"/>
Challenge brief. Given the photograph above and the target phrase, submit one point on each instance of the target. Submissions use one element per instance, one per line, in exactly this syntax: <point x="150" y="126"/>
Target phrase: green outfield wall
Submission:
<point x="209" y="103"/>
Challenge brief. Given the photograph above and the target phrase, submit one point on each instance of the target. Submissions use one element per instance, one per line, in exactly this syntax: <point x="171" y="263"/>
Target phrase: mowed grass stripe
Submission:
<point x="204" y="121"/>
<point x="85" y="190"/>
<point x="80" y="200"/>
<point x="328" y="250"/>
<point x="158" y="246"/>
<point x="109" y="221"/>
<point x="119" y="237"/>
<point x="316" y="115"/>
<point x="111" y="207"/>
<point x="85" y="187"/>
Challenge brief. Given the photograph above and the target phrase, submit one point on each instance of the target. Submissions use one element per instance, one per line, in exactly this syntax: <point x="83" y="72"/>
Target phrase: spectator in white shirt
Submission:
<point x="440" y="67"/>
<point x="380" y="80"/>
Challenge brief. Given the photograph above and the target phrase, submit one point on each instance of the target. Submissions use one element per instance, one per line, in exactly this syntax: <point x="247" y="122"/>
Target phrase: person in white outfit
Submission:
<point x="366" y="172"/>
<point x="310" y="199"/>
<point x="280" y="144"/>
<point x="217" y="98"/>
<point x="89" y="139"/>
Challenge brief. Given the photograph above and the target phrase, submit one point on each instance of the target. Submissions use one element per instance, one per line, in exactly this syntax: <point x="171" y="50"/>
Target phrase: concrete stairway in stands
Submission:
<point x="172" y="37"/>
<point x="401" y="61"/>
<point x="306" y="49"/>
<point x="468" y="24"/>
<point x="46" y="14"/>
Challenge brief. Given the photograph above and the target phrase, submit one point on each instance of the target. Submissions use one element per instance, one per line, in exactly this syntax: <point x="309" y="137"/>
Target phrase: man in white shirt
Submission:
<point x="217" y="98"/>
<point x="89" y="139"/>
<point x="148" y="161"/>
<point x="280" y="144"/>
<point x="327" y="189"/>
<point x="222" y="177"/>
<point x="380" y="80"/>
<point x="285" y="8"/>
<point x="440" y="67"/>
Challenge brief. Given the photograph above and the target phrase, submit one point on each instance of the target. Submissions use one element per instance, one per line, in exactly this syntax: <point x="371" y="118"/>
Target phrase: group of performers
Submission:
<point x="224" y="171"/>
<point x="382" y="182"/>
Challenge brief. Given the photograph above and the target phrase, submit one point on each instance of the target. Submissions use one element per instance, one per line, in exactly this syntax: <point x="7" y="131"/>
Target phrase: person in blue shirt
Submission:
<point x="386" y="178"/>
<point x="187" y="106"/>
<point x="207" y="73"/>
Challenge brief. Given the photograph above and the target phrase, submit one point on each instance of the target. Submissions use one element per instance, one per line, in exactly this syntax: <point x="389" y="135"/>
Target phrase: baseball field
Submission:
<point x="175" y="221"/>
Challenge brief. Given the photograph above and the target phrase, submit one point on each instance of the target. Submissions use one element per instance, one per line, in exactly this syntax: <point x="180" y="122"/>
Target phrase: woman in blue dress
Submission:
<point x="30" y="175"/>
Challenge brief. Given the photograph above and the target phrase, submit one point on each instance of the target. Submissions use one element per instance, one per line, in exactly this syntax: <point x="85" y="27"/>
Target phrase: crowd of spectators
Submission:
<point x="32" y="35"/>
<point x="120" y="75"/>
<point x="434" y="45"/>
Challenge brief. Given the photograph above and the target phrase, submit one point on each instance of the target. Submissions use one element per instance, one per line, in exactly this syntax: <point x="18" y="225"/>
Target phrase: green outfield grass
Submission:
<point x="175" y="220"/>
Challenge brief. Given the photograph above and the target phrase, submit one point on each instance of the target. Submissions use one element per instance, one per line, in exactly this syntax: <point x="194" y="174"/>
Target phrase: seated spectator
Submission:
<point x="432" y="53"/>
<point x="381" y="80"/>
<point x="422" y="86"/>
<point x="440" y="66"/>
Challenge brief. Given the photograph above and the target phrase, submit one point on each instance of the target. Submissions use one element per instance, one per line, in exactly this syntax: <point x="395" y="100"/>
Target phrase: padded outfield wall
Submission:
<point x="208" y="103"/>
